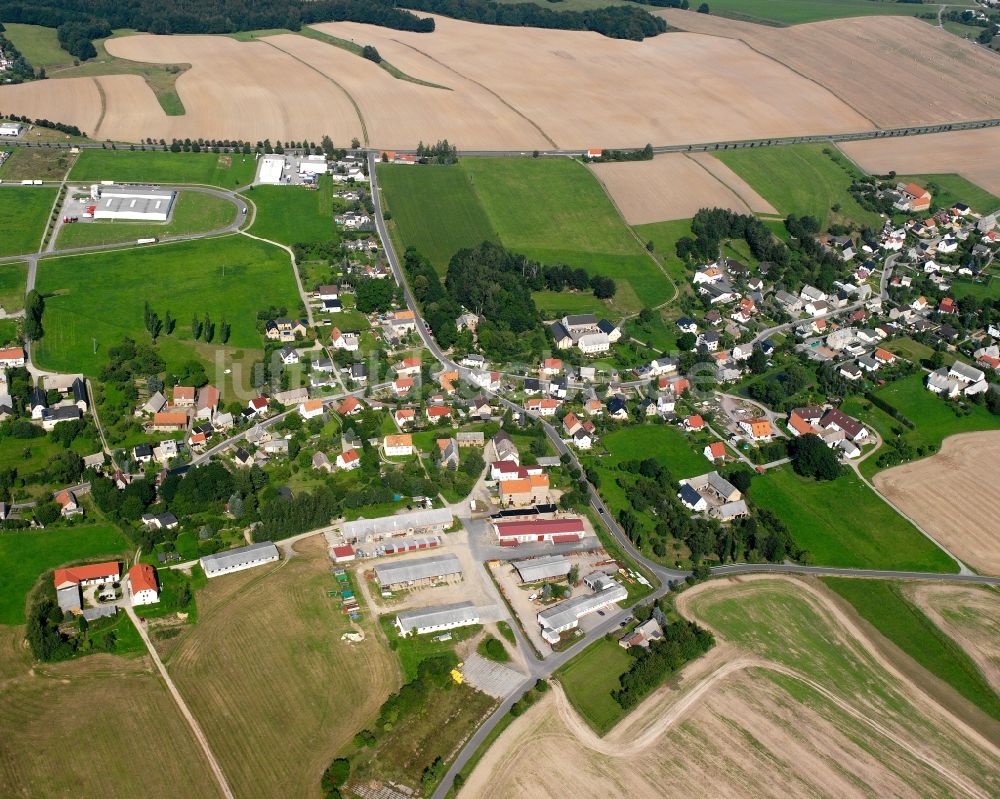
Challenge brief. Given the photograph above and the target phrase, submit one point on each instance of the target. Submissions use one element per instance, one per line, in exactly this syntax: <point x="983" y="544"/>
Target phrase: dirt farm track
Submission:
<point x="725" y="80"/>
<point x="954" y="496"/>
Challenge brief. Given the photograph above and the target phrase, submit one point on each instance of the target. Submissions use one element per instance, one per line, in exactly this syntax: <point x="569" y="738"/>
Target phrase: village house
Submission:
<point x="170" y="421"/>
<point x="716" y="451"/>
<point x="398" y="445"/>
<point x="349" y="342"/>
<point x="142" y="585"/>
<point x="519" y="492"/>
<point x="184" y="396"/>
<point x="348" y="460"/>
<point x="758" y="429"/>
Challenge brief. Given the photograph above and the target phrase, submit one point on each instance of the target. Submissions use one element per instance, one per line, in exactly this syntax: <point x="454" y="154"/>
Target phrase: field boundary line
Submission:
<point x="347" y="94"/>
<point x="295" y="271"/>
<point x="641" y="243"/>
<point x="199" y="734"/>
<point x="721" y="182"/>
<point x="104" y="106"/>
<point x="486" y="89"/>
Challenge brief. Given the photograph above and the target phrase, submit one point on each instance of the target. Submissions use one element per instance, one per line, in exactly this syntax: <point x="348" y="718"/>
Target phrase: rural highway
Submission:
<point x="545" y="668"/>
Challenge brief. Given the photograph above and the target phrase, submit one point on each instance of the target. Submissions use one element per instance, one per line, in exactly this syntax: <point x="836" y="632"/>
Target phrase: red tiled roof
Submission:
<point x="92" y="571"/>
<point x="142" y="577"/>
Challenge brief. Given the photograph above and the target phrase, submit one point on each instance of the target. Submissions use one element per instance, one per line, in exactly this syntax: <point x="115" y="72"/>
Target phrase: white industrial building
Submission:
<point x="10" y="128"/>
<point x="236" y="560"/>
<point x="136" y="203"/>
<point x="566" y="615"/>
<point x="271" y="167"/>
<point x="437" y="619"/>
<point x="313" y="165"/>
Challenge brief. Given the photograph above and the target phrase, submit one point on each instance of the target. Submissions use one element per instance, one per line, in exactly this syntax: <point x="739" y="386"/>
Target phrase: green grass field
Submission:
<point x="435" y="209"/>
<point x="27" y="554"/>
<point x="664" y="442"/>
<point x="24" y="210"/>
<point x="588" y="680"/>
<point x="948" y="189"/>
<point x="40" y="46"/>
<point x="795" y="12"/>
<point x="102" y="296"/>
<point x="802" y="179"/>
<point x="294" y="215"/>
<point x="844" y="523"/>
<point x="193" y="212"/>
<point x="555" y="211"/>
<point x="664" y="236"/>
<point x="965" y="288"/>
<point x="156" y="166"/>
<point x="556" y="304"/>
<point x="883" y="604"/>
<point x="35" y="164"/>
<point x="13" y="280"/>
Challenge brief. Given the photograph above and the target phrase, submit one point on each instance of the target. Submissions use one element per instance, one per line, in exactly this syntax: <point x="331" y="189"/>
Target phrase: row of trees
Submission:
<point x="81" y="21"/>
<point x="41" y="122"/>
<point x="34" y="307"/>
<point x="617" y="22"/>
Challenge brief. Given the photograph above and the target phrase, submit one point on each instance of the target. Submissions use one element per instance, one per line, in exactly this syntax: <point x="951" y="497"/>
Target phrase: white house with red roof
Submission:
<point x="716" y="451"/>
<point x="142" y="584"/>
<point x="258" y="405"/>
<point x="11" y="357"/>
<point x="348" y="460"/>
<point x="350" y="407"/>
<point x="90" y="574"/>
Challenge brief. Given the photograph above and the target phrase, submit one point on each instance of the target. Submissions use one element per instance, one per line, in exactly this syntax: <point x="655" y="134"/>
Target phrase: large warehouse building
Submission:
<point x="566" y="615"/>
<point x="236" y="560"/>
<point x="552" y="531"/>
<point x="418" y="522"/>
<point x="537" y="569"/>
<point x="135" y="203"/>
<point x="437" y="619"/>
<point x="415" y="573"/>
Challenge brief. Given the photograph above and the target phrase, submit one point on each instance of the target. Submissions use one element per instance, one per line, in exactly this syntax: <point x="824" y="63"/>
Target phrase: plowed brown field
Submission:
<point x="954" y="495"/>
<point x="75" y="101"/>
<point x="896" y="71"/>
<point x="675" y="186"/>
<point x="970" y="153"/>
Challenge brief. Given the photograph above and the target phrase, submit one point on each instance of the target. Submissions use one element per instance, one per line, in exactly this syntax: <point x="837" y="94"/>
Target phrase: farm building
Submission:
<point x="524" y="491"/>
<point x="364" y="531"/>
<point x="10" y="129"/>
<point x="91" y="574"/>
<point x="142" y="584"/>
<point x="416" y="573"/>
<point x="313" y="165"/>
<point x="550" y="531"/>
<point x="342" y="554"/>
<point x="534" y="570"/>
<point x="236" y="560"/>
<point x="133" y="203"/>
<point x="437" y="619"/>
<point x="566" y="615"/>
<point x="397" y="546"/>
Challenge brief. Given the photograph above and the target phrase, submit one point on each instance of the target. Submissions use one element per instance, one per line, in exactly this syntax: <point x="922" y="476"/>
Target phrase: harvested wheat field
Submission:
<point x="953" y="495"/>
<point x="585" y="90"/>
<point x="98" y="726"/>
<point x="792" y="702"/>
<point x="75" y="101"/>
<point x="968" y="614"/>
<point x="896" y="71"/>
<point x="399" y="113"/>
<point x="970" y="153"/>
<point x="672" y="186"/>
<point x="268" y="678"/>
<point x="234" y="89"/>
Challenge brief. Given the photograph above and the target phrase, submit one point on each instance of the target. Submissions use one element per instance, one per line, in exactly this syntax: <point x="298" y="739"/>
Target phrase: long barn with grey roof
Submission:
<point x="533" y="570"/>
<point x="235" y="560"/>
<point x="437" y="618"/>
<point x="363" y="531"/>
<point x="415" y="573"/>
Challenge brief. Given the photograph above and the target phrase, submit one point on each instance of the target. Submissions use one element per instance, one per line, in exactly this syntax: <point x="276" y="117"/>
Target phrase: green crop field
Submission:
<point x="293" y="214"/>
<point x="39" y="46"/>
<point x="588" y="680"/>
<point x="883" y="604"/>
<point x="193" y="212"/>
<point x="948" y="189"/>
<point x="435" y="209"/>
<point x="157" y="166"/>
<point x="555" y="211"/>
<point x="844" y="523"/>
<point x="13" y="280"/>
<point x="802" y="179"/>
<point x="24" y="210"/>
<point x="101" y="296"/>
<point x="26" y="554"/>
<point x="794" y="12"/>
